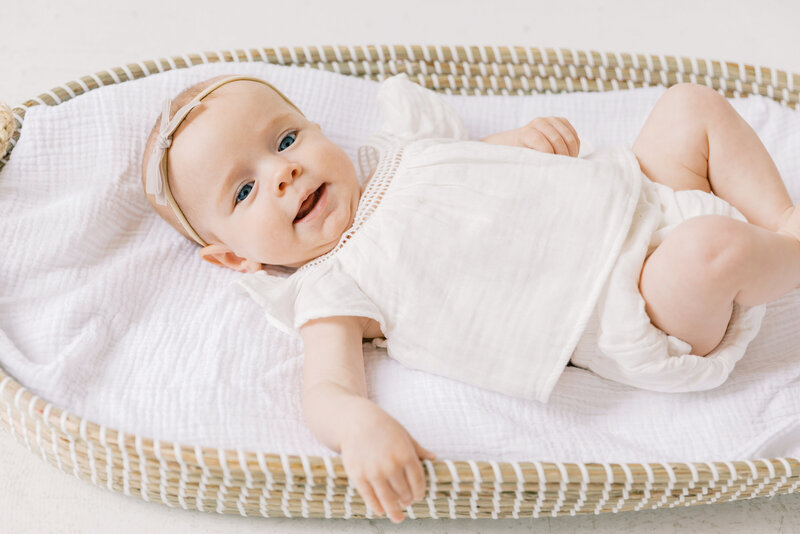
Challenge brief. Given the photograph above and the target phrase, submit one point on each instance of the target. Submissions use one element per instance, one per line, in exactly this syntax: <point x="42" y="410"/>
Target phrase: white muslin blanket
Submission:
<point x="108" y="313"/>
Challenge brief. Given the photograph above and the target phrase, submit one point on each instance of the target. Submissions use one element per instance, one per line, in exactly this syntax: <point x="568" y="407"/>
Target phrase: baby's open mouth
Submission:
<point x="309" y="203"/>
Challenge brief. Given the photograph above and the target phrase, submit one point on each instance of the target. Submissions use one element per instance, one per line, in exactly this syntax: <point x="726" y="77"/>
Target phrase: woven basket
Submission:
<point x="248" y="483"/>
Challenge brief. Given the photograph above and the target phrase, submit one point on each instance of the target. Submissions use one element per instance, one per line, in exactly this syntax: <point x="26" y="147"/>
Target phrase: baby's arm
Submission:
<point x="553" y="135"/>
<point x="380" y="457"/>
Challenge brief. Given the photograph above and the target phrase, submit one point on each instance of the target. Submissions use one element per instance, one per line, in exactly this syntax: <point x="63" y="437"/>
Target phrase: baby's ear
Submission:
<point x="224" y="257"/>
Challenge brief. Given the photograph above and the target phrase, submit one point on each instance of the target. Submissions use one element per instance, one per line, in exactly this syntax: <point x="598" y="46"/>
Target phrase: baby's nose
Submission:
<point x="287" y="173"/>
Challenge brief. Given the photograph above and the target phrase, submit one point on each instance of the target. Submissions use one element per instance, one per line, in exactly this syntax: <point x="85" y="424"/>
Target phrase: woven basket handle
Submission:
<point x="7" y="127"/>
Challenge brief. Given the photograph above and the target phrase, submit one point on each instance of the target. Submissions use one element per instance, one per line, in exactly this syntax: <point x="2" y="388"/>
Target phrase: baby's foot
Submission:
<point x="789" y="223"/>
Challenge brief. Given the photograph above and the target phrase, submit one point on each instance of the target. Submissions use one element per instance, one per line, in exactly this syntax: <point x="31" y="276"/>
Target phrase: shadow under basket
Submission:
<point x="280" y="485"/>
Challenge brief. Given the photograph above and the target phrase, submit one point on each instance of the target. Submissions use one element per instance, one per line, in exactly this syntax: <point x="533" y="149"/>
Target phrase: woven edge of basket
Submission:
<point x="7" y="128"/>
<point x="469" y="70"/>
<point x="269" y="485"/>
<point x="252" y="483"/>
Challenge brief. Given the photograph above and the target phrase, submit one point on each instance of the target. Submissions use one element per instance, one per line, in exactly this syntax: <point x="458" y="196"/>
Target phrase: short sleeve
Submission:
<point x="322" y="291"/>
<point x="412" y="112"/>
<point x="276" y="295"/>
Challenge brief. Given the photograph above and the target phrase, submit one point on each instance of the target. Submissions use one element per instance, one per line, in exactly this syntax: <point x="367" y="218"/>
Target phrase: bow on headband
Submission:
<point x="157" y="168"/>
<point x="156" y="180"/>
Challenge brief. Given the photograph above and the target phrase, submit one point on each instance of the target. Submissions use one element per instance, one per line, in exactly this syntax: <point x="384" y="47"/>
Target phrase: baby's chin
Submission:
<point x="334" y="228"/>
<point x="321" y="251"/>
<point x="298" y="262"/>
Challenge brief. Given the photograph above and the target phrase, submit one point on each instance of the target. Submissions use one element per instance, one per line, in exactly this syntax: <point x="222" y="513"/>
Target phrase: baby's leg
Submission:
<point x="694" y="139"/>
<point x="691" y="280"/>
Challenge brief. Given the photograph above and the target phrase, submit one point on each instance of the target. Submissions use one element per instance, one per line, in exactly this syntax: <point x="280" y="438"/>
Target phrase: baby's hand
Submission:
<point x="383" y="462"/>
<point x="553" y="135"/>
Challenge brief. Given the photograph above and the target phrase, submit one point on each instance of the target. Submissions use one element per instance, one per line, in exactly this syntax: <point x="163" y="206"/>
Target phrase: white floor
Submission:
<point x="45" y="44"/>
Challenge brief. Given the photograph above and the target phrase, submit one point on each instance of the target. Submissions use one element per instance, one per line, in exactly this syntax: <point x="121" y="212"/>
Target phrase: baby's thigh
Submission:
<point x="672" y="147"/>
<point x="685" y="292"/>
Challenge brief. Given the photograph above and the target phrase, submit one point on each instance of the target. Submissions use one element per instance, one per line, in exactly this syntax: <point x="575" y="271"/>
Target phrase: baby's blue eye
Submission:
<point x="287" y="141"/>
<point x="244" y="191"/>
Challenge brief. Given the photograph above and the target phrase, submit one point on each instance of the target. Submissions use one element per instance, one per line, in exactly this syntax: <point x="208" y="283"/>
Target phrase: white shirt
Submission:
<point x="480" y="262"/>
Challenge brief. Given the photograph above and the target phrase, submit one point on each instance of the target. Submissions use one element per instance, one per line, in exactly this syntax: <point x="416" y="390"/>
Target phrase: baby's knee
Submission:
<point x="713" y="247"/>
<point x="694" y="100"/>
<point x="692" y="94"/>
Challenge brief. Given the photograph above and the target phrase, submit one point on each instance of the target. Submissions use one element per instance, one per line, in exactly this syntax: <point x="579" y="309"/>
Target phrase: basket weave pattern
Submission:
<point x="269" y="485"/>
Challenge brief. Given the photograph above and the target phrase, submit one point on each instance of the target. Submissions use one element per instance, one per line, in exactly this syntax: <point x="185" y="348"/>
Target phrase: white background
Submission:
<point x="47" y="43"/>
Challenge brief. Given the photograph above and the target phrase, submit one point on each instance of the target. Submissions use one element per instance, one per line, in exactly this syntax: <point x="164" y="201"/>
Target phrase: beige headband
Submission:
<point x="156" y="182"/>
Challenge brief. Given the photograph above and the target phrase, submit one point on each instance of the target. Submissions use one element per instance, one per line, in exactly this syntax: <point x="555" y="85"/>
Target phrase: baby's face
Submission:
<point x="245" y="166"/>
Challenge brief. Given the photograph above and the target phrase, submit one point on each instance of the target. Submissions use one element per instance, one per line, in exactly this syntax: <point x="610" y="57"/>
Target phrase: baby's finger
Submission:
<point x="368" y="495"/>
<point x="533" y="138"/>
<point x="572" y="129"/>
<point x="416" y="479"/>
<point x="568" y="134"/>
<point x="422" y="452"/>
<point x="401" y="488"/>
<point x="554" y="136"/>
<point x="389" y="500"/>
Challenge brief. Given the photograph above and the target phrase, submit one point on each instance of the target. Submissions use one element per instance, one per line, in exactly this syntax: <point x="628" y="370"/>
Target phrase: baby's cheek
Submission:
<point x="270" y="243"/>
<point x="334" y="156"/>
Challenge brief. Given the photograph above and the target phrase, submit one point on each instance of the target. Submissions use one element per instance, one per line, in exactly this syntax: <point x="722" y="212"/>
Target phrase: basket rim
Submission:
<point x="735" y="79"/>
<point x="27" y="415"/>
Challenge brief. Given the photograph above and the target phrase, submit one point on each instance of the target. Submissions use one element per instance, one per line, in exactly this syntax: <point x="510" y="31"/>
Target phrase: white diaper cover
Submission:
<point x="621" y="344"/>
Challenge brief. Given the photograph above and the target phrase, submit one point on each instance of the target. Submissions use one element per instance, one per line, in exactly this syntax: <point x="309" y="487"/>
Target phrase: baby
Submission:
<point x="493" y="262"/>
